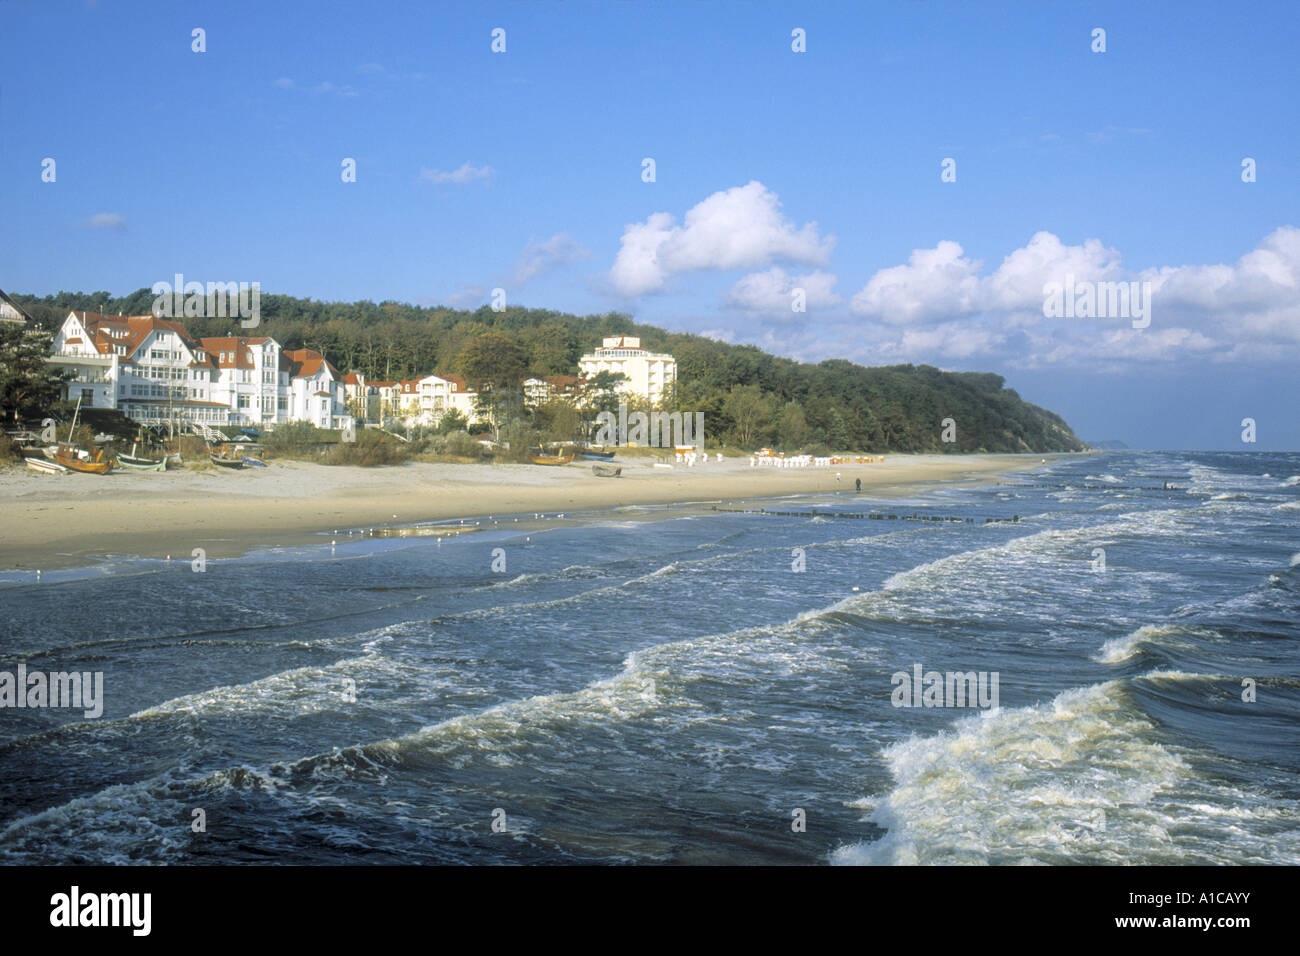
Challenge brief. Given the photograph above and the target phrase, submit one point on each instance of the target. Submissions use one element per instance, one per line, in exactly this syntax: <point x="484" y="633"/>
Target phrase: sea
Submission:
<point x="679" y="685"/>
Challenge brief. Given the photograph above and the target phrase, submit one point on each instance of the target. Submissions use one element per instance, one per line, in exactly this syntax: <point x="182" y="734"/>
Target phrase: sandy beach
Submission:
<point x="54" y="521"/>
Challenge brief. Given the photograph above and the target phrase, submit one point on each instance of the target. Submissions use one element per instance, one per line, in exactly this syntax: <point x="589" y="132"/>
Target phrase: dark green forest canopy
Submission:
<point x="741" y="389"/>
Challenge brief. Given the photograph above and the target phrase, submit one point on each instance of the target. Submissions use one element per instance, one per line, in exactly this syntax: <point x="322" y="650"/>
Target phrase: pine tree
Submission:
<point x="29" y="386"/>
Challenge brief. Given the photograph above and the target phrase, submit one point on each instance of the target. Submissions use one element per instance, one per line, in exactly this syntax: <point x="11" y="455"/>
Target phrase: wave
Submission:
<point x="1117" y="650"/>
<point x="1076" y="780"/>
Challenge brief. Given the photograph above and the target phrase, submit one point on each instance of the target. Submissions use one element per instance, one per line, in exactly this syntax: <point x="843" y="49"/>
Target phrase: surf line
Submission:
<point x="868" y="515"/>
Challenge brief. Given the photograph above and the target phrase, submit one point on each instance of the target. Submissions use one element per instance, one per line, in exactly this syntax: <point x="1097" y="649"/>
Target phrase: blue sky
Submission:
<point x="774" y="171"/>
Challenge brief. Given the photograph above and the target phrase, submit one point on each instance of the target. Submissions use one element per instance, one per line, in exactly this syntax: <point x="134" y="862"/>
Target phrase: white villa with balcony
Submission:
<point x="425" y="400"/>
<point x="154" y="372"/>
<point x="648" y="374"/>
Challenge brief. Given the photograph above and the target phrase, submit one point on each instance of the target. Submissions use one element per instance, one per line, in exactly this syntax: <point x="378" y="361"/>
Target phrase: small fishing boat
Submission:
<point x="607" y="471"/>
<point x="603" y="454"/>
<point x="138" y="463"/>
<point x="222" y="457"/>
<point x="256" y="462"/>
<point x="46" y="466"/>
<point x="550" y="459"/>
<point x="77" y="459"/>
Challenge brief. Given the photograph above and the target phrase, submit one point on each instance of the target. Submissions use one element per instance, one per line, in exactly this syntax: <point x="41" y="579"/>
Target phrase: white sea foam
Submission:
<point x="1120" y="649"/>
<point x="1076" y="780"/>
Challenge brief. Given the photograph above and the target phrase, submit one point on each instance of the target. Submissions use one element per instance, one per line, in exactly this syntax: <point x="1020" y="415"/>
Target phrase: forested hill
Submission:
<point x="749" y="396"/>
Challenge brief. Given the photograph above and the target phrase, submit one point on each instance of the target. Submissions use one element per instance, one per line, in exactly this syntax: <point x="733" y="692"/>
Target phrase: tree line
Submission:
<point x="749" y="397"/>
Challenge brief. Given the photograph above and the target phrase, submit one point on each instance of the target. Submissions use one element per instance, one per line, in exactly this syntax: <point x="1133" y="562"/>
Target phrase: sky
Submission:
<point x="924" y="175"/>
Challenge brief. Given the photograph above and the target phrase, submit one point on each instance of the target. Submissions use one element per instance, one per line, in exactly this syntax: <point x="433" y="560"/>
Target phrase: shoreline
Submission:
<point x="50" y="522"/>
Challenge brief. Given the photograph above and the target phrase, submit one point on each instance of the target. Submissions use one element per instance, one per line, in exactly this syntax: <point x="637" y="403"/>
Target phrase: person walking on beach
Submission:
<point x="858" y="482"/>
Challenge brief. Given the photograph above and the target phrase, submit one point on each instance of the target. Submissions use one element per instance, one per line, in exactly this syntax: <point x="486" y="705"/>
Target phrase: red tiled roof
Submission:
<point x="107" y="332"/>
<point x="304" y="363"/>
<point x="456" y="380"/>
<point x="561" y="381"/>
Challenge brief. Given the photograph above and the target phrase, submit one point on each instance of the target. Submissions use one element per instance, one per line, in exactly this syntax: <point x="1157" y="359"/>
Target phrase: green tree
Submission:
<point x="494" y="365"/>
<point x="748" y="411"/>
<point x="792" y="427"/>
<point x="452" y="421"/>
<point x="837" y="433"/>
<point x="29" y="386"/>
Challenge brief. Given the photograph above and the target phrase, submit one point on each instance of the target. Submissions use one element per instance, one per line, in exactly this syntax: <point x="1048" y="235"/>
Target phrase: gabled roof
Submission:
<point x="11" y="311"/>
<point x="109" y="332"/>
<point x="232" y="351"/>
<point x="562" y="382"/>
<point x="460" y="384"/>
<point x="304" y="363"/>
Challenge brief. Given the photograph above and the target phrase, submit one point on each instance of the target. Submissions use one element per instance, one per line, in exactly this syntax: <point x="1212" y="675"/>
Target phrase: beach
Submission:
<point x="57" y="521"/>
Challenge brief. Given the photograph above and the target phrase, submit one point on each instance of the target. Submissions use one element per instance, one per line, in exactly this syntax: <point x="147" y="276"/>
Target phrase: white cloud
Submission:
<point x="325" y="86"/>
<point x="539" y="258"/>
<point x="106" y="220"/>
<point x="936" y="283"/>
<point x="938" y="305"/>
<point x="738" y="228"/>
<point x="466" y="173"/>
<point x="770" y="293"/>
<point x="1018" y="283"/>
<point x="467" y="296"/>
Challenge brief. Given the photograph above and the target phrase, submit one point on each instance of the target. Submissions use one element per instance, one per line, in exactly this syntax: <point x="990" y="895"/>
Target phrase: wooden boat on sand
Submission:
<point x="46" y="466"/>
<point x="223" y="457"/>
<point x="551" y="459"/>
<point x="607" y="471"/>
<point x="138" y="463"/>
<point x="76" y="459"/>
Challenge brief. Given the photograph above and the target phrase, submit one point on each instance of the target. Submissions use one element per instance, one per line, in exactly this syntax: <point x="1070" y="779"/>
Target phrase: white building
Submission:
<point x="648" y="374"/>
<point x="150" y="369"/>
<point x="425" y="400"/>
<point x="11" y="311"/>
<point x="315" y="390"/>
<point x="153" y="371"/>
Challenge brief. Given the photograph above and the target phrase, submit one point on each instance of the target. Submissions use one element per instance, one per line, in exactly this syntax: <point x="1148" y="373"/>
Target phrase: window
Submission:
<point x="243" y="401"/>
<point x="88" y="397"/>
<point x="282" y="404"/>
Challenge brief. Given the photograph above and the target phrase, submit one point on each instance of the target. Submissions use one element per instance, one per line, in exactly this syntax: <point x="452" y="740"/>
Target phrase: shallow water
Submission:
<point x="670" y="690"/>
